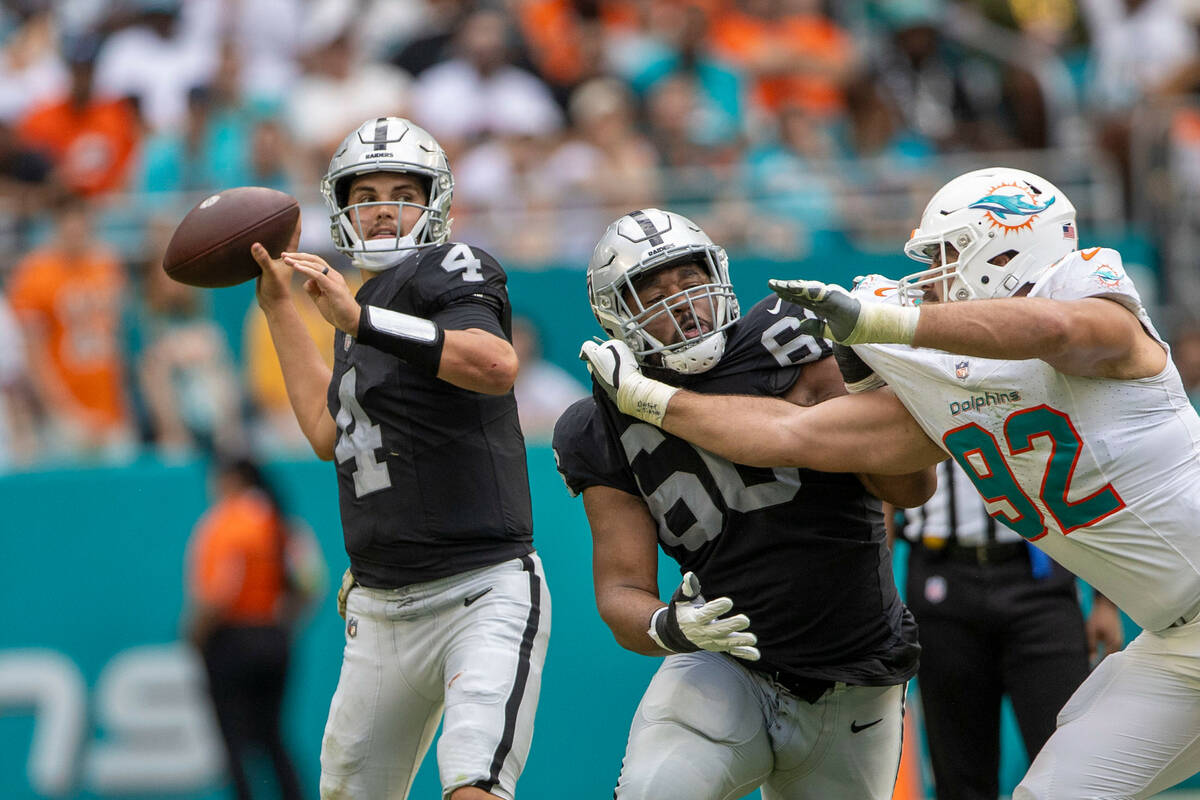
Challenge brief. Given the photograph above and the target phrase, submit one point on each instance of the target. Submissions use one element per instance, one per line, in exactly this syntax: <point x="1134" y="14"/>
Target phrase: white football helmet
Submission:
<point x="387" y="144"/>
<point x="985" y="214"/>
<point x="636" y="245"/>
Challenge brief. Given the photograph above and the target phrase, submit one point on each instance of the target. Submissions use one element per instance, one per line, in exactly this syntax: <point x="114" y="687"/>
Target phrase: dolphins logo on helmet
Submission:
<point x="1003" y="205"/>
<point x="989" y="232"/>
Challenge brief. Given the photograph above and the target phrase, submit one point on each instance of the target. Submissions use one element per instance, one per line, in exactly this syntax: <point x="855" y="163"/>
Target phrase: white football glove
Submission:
<point x="615" y="368"/>
<point x="844" y="318"/>
<point x="689" y="623"/>
<point x="348" y="583"/>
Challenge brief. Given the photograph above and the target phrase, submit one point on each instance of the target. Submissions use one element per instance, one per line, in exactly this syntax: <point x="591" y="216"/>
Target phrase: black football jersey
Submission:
<point x="432" y="478"/>
<point x="802" y="553"/>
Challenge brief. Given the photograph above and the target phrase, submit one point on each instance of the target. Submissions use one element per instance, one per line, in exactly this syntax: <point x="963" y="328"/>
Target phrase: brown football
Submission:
<point x="211" y="245"/>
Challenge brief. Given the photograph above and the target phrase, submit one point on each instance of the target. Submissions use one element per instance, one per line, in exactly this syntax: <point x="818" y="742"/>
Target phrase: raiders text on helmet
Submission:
<point x="636" y="245"/>
<point x="983" y="215"/>
<point x="387" y="144"/>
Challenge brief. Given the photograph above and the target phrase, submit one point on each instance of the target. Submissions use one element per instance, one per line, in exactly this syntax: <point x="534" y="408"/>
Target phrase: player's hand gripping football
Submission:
<point x="846" y="319"/>
<point x="690" y="623"/>
<point x="273" y="286"/>
<point x="615" y="368"/>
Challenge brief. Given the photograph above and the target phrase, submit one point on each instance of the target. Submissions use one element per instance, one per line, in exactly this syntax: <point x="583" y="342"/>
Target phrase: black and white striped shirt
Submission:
<point x="955" y="512"/>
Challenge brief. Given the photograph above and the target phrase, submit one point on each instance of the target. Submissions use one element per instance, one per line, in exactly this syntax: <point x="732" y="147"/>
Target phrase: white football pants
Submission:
<point x="710" y="729"/>
<point x="473" y="643"/>
<point x="1132" y="729"/>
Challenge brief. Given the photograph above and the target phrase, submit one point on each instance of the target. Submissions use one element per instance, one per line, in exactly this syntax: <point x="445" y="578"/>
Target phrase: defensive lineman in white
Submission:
<point x="1054" y="392"/>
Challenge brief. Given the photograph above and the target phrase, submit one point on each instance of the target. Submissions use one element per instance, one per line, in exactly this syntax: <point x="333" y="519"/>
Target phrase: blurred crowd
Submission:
<point x="779" y="125"/>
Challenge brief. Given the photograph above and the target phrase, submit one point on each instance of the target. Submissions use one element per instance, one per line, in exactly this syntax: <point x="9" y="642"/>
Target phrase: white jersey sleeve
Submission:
<point x="1095" y="272"/>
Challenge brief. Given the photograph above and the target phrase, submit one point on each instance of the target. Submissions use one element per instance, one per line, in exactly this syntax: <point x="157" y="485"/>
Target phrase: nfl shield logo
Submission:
<point x="962" y="370"/>
<point x="352" y="627"/>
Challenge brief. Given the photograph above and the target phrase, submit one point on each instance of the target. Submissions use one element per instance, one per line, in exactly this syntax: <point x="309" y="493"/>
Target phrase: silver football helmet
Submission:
<point x="638" y="244"/>
<point x="387" y="144"/>
<point x="983" y="215"/>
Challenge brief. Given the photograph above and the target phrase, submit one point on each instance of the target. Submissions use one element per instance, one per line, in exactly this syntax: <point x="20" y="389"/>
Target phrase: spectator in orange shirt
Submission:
<point x="242" y="603"/>
<point x="796" y="55"/>
<point x="91" y="140"/>
<point x="68" y="296"/>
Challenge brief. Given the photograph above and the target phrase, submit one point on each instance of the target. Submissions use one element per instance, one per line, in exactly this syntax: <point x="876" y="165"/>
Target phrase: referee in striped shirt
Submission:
<point x="997" y="617"/>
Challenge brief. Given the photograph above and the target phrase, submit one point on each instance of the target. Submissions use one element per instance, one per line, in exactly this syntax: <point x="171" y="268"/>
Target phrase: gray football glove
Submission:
<point x="689" y="623"/>
<point x="844" y="318"/>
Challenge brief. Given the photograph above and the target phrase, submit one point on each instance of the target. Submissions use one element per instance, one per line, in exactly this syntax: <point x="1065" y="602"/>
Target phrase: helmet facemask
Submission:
<point x="631" y="251"/>
<point x="697" y="316"/>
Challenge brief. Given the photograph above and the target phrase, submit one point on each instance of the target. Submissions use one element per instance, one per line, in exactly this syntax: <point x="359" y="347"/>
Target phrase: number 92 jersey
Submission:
<point x="1103" y="474"/>
<point x="800" y="552"/>
<point x="432" y="478"/>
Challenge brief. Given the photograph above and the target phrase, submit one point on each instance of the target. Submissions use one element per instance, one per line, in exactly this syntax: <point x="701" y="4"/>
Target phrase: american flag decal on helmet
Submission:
<point x="1069" y="230"/>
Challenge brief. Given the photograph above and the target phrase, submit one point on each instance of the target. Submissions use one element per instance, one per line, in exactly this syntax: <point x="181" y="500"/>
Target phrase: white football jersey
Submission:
<point x="1103" y="475"/>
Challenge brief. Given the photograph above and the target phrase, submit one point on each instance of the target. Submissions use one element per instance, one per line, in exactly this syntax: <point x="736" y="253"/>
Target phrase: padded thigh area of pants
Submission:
<point x="707" y="694"/>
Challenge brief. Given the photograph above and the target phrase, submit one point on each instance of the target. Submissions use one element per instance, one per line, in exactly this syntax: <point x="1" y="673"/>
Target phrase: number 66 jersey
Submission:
<point x="800" y="552"/>
<point x="1102" y="474"/>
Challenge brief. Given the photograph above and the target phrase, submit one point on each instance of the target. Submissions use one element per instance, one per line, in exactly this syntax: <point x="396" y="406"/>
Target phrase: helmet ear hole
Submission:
<point x="1003" y="258"/>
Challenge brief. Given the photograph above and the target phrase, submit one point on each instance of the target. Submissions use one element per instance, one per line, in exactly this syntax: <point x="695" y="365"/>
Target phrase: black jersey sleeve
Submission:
<point x="454" y="271"/>
<point x="586" y="452"/>
<point x="479" y="310"/>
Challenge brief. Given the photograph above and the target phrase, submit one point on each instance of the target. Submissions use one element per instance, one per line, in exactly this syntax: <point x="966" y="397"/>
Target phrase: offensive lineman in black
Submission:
<point x="801" y="693"/>
<point x="445" y="600"/>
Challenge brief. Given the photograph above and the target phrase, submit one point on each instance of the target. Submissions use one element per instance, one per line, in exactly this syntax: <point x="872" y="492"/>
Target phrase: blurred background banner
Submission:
<point x="100" y="698"/>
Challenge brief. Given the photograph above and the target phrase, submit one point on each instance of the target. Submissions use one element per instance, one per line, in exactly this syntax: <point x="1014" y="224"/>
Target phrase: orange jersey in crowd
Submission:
<point x="75" y="304"/>
<point x="235" y="560"/>
<point x="817" y="46"/>
<point x="92" y="146"/>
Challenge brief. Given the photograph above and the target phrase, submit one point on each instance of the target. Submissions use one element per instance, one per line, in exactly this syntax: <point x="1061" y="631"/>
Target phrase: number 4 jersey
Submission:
<point x="802" y="553"/>
<point x="432" y="478"/>
<point x="1103" y="475"/>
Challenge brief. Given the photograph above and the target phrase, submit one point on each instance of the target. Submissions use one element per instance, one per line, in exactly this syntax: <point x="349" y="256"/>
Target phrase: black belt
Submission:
<point x="807" y="689"/>
<point x="982" y="553"/>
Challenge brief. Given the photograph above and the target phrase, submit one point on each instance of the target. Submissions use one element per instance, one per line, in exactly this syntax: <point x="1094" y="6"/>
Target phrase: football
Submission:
<point x="211" y="246"/>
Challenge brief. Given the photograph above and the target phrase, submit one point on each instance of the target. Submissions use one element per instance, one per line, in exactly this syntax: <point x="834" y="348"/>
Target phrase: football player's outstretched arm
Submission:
<point x="868" y="433"/>
<point x="871" y="432"/>
<point x="1092" y="337"/>
<point x="305" y="374"/>
<point x="822" y="380"/>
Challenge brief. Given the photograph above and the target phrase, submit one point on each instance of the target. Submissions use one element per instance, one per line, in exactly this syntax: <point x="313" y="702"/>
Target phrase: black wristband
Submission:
<point x="853" y="368"/>
<point x="415" y="340"/>
<point x="670" y="634"/>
